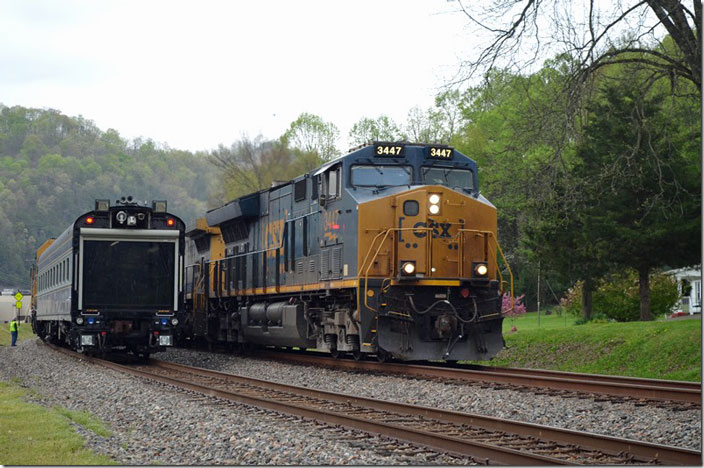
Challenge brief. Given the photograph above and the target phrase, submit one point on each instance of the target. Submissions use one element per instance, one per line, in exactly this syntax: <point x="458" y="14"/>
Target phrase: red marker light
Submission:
<point x="335" y="226"/>
<point x="104" y="333"/>
<point x="170" y="222"/>
<point x="464" y="293"/>
<point x="89" y="220"/>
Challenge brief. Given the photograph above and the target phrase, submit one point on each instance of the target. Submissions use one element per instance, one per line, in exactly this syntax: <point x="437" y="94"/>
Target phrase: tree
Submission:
<point x="448" y="104"/>
<point x="640" y="156"/>
<point x="53" y="167"/>
<point x="595" y="33"/>
<point x="252" y="165"/>
<point x="513" y="126"/>
<point x="383" y="128"/>
<point x="309" y="133"/>
<point x="426" y="126"/>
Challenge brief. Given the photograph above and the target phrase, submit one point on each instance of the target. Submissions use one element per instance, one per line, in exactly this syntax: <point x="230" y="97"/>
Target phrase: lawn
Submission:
<point x="33" y="435"/>
<point x="659" y="349"/>
<point x="6" y="338"/>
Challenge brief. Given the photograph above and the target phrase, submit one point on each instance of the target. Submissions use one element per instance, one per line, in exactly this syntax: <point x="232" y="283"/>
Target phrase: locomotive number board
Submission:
<point x="385" y="150"/>
<point x="440" y="152"/>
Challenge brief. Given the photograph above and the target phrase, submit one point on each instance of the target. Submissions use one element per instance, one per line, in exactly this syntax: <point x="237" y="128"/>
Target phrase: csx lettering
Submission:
<point x="273" y="233"/>
<point x="442" y="233"/>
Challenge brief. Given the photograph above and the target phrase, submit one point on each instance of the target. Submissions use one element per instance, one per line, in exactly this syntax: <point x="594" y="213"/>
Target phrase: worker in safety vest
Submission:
<point x="14" y="328"/>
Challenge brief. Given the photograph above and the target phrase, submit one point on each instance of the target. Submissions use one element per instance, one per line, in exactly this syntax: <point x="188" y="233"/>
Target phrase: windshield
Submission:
<point x="126" y="274"/>
<point x="448" y="176"/>
<point x="375" y="176"/>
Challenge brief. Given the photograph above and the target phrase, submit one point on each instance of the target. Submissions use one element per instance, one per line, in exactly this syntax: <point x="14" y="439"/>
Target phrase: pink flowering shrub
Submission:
<point x="518" y="307"/>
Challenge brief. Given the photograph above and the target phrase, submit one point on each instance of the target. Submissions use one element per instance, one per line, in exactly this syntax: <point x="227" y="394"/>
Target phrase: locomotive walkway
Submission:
<point x="486" y="439"/>
<point x="673" y="392"/>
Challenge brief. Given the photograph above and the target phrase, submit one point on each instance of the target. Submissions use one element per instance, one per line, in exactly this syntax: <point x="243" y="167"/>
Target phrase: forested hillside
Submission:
<point x="53" y="167"/>
<point x="592" y="189"/>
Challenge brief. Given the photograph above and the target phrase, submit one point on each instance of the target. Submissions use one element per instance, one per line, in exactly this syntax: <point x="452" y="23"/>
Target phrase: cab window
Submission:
<point x="448" y="176"/>
<point x="380" y="175"/>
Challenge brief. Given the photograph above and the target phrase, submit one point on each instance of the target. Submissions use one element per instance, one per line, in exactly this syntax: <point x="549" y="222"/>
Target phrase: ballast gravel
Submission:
<point x="646" y="423"/>
<point x="153" y="423"/>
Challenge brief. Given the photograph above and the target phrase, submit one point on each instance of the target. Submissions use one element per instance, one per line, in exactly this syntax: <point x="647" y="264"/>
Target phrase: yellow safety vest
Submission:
<point x="13" y="326"/>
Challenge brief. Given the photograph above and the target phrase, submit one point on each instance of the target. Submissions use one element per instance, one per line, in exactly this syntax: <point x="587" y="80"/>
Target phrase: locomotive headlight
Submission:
<point x="121" y="217"/>
<point x="408" y="268"/>
<point x="481" y="269"/>
<point x="79" y="320"/>
<point x="131" y="220"/>
<point x="434" y="207"/>
<point x="174" y="321"/>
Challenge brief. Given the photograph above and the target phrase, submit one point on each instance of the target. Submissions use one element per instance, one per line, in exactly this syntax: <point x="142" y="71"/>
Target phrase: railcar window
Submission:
<point x="380" y="175"/>
<point x="124" y="274"/>
<point x="448" y="176"/>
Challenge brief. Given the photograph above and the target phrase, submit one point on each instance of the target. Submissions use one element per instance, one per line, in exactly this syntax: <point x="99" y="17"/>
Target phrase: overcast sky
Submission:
<point x="199" y="73"/>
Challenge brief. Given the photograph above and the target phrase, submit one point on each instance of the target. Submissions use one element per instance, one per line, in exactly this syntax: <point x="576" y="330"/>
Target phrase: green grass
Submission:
<point x="24" y="334"/>
<point x="86" y="420"/>
<point x="659" y="349"/>
<point x="33" y="435"/>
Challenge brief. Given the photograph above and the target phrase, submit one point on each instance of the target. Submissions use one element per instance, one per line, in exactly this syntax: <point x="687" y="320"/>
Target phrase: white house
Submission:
<point x="689" y="283"/>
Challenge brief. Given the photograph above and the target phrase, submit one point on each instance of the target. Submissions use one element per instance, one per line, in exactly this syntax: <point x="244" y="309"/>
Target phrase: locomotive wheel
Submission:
<point x="357" y="355"/>
<point x="335" y="353"/>
<point x="382" y="356"/>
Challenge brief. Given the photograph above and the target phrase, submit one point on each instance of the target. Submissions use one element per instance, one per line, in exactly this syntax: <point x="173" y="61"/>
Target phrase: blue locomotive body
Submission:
<point x="375" y="252"/>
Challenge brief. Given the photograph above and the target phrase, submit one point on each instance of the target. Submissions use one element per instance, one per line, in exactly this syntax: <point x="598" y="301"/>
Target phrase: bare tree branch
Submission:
<point x="600" y="31"/>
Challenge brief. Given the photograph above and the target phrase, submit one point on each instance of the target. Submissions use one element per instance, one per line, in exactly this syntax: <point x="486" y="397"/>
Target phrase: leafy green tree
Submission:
<point x="310" y="133"/>
<point x="383" y="128"/>
<point x="645" y="170"/>
<point x="512" y="128"/>
<point x="53" y="167"/>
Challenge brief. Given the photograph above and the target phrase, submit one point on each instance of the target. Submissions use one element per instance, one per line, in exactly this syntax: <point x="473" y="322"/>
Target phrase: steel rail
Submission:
<point x="664" y="453"/>
<point x="677" y="384"/>
<point x="476" y="450"/>
<point x="589" y="442"/>
<point x="640" y="388"/>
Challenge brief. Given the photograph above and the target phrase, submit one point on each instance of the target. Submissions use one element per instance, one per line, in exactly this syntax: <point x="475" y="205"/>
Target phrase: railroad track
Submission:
<point x="681" y="394"/>
<point x="485" y="439"/>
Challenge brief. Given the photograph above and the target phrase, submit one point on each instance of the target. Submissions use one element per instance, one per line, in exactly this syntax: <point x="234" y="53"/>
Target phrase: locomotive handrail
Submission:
<point x="386" y="233"/>
<point x="494" y="258"/>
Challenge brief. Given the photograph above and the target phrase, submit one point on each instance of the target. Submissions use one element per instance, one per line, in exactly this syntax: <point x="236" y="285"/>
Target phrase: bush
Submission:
<point x="518" y="307"/>
<point x="617" y="297"/>
<point x="572" y="302"/>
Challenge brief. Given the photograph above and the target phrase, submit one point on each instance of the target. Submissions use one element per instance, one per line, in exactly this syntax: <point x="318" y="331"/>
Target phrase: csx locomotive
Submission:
<point x="112" y="281"/>
<point x="389" y="250"/>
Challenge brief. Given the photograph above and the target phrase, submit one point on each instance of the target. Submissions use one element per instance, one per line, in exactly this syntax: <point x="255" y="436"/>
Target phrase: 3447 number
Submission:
<point x="389" y="150"/>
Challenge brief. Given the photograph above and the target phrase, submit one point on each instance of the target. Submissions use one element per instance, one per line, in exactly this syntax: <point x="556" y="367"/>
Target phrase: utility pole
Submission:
<point x="538" y="293"/>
